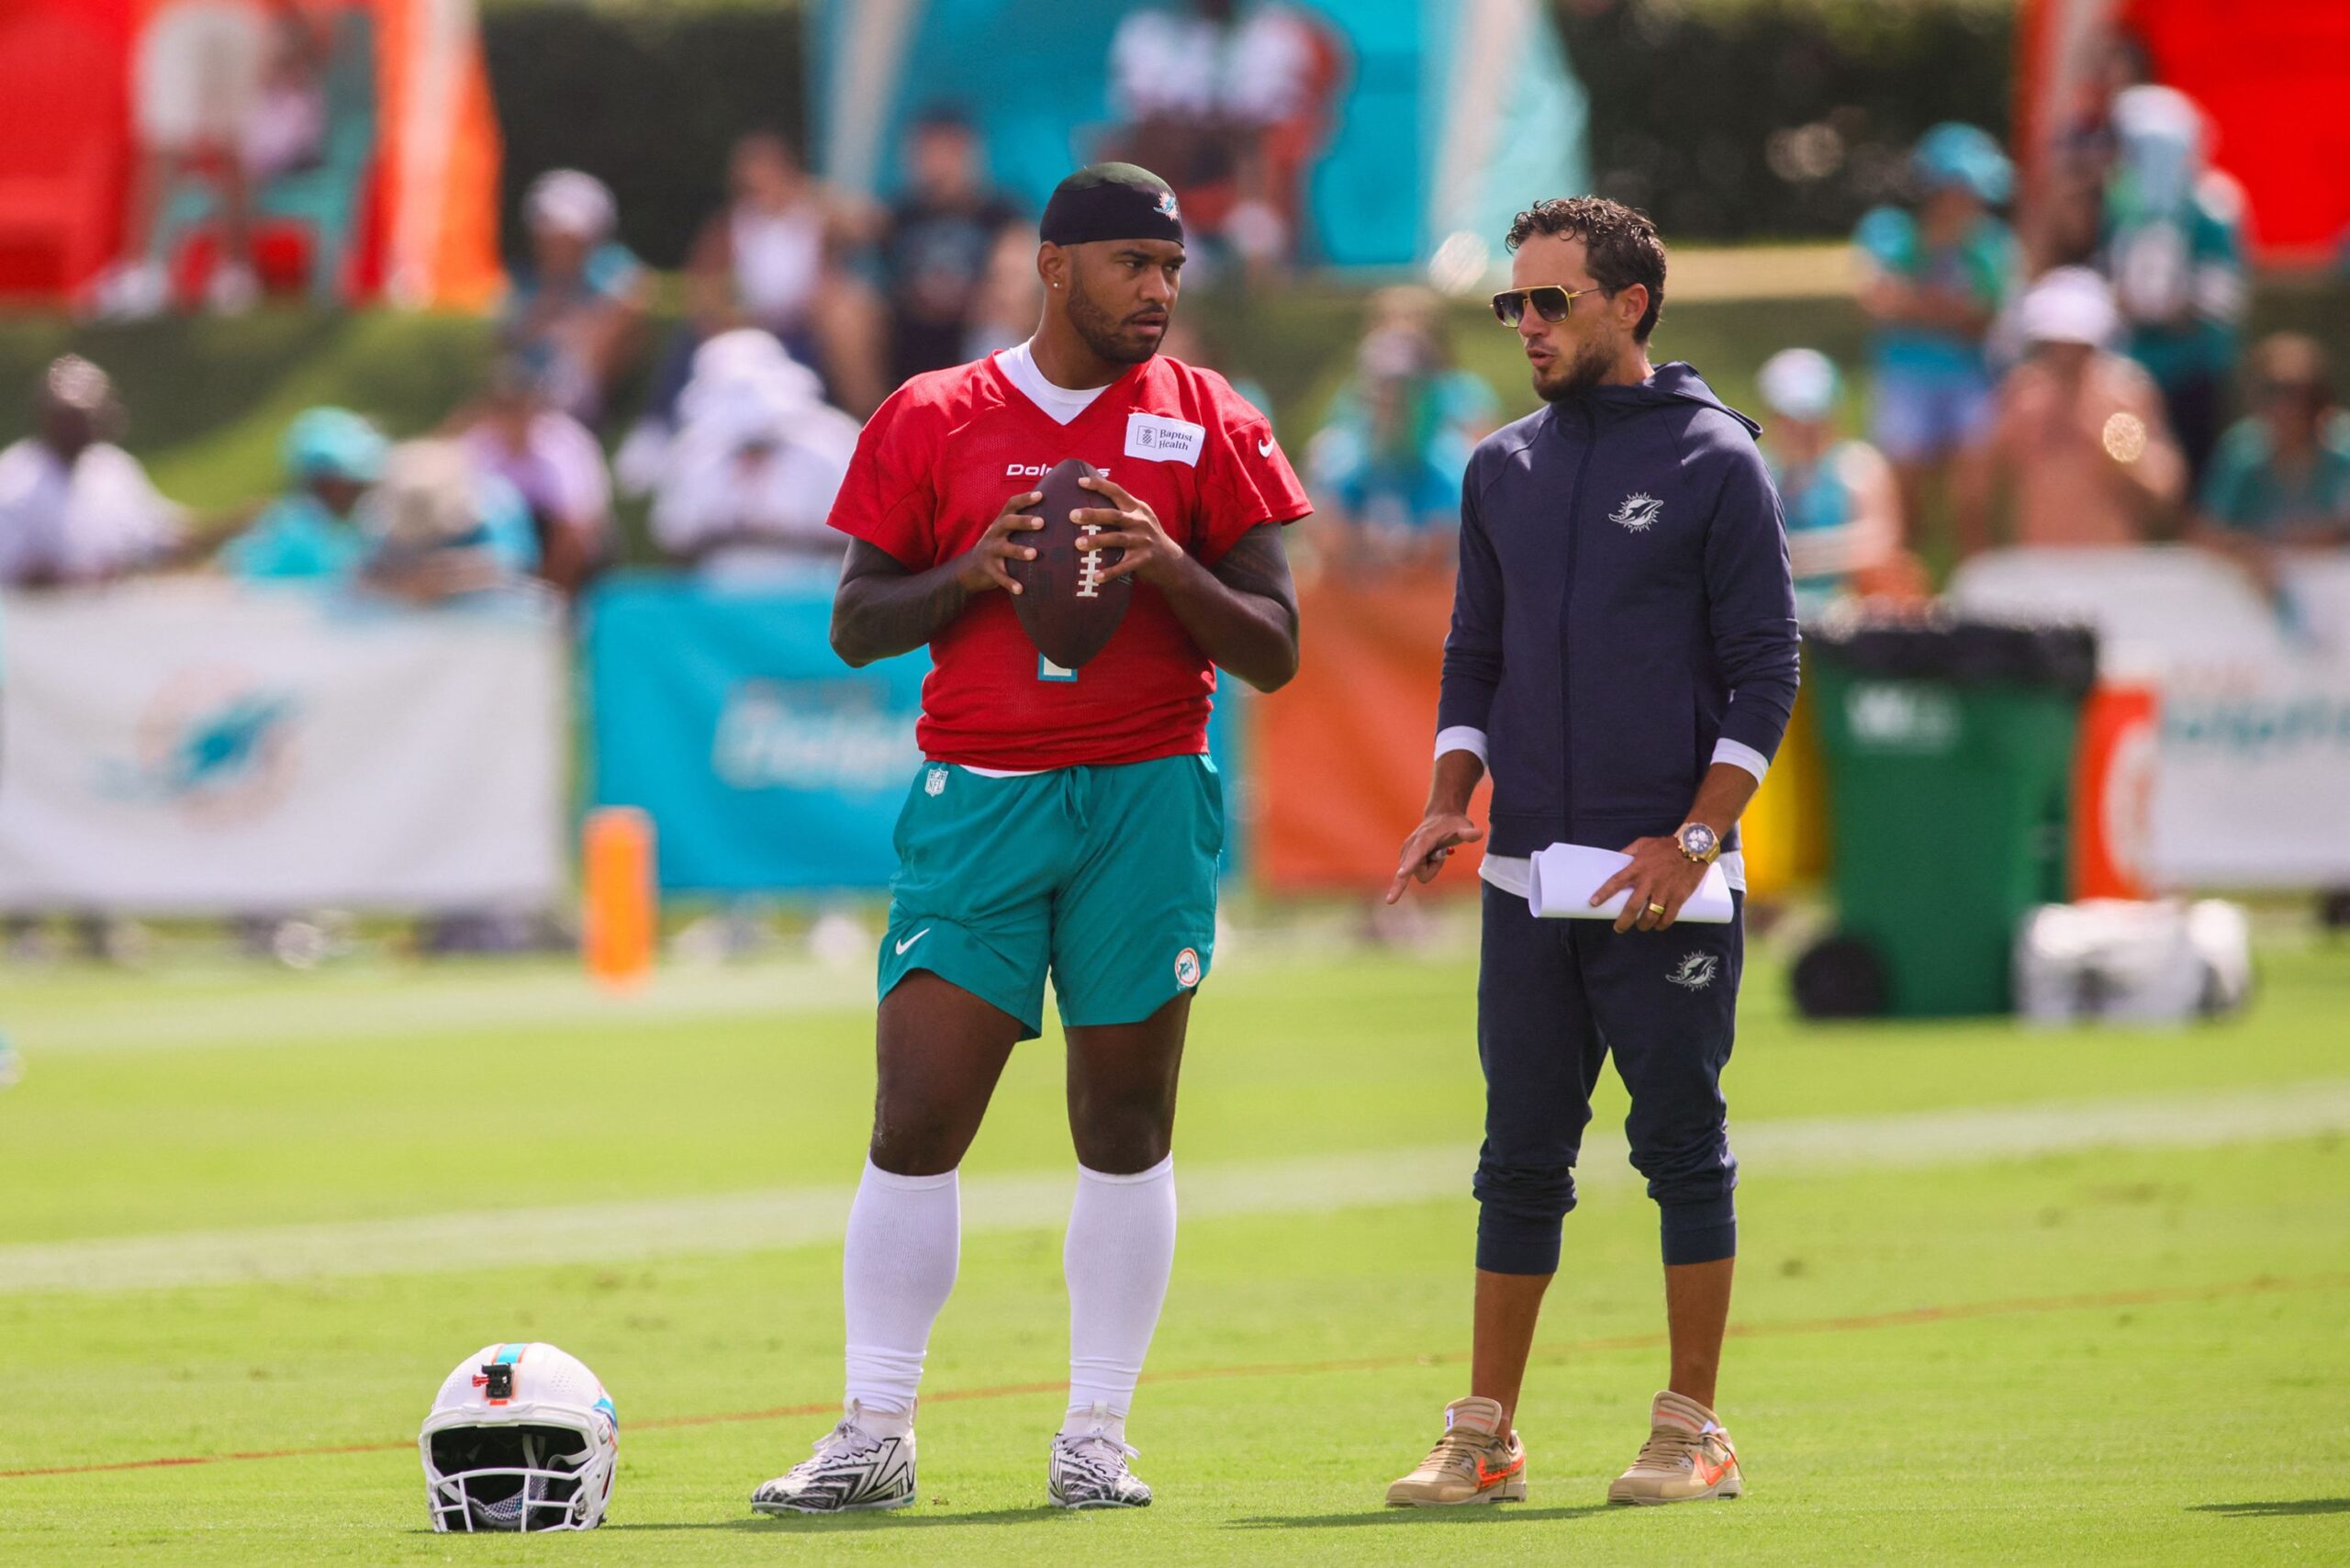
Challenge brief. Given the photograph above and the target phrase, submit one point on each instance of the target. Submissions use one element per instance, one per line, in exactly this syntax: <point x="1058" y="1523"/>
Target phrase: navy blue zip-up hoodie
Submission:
<point x="1624" y="601"/>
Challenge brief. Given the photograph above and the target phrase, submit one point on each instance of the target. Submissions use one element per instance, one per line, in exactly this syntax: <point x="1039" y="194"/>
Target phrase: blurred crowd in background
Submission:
<point x="2047" y="366"/>
<point x="804" y="306"/>
<point x="2057" y="365"/>
<point x="2061" y="372"/>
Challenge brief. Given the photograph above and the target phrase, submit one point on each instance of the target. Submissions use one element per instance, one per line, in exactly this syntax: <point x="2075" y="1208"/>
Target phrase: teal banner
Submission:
<point x="767" y="765"/>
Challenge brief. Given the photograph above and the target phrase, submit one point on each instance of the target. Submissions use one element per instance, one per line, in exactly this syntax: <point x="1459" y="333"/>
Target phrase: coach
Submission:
<point x="1622" y="660"/>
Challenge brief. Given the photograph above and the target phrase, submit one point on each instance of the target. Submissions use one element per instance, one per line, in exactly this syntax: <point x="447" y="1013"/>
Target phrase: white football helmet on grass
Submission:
<point x="522" y="1437"/>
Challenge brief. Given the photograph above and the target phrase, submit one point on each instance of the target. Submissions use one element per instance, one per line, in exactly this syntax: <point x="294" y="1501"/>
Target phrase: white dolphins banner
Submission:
<point x="194" y="747"/>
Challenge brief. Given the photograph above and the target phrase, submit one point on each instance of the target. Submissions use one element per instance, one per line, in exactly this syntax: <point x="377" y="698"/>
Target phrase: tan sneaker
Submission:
<point x="1474" y="1461"/>
<point x="1687" y="1456"/>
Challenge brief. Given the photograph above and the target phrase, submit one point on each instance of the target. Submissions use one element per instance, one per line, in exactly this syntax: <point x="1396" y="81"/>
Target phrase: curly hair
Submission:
<point x="1620" y="241"/>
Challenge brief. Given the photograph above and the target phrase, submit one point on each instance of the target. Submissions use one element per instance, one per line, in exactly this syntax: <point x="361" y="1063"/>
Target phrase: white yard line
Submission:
<point x="797" y="1216"/>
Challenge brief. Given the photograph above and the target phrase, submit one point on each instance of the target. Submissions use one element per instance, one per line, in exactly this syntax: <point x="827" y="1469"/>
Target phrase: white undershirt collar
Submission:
<point x="1060" y="403"/>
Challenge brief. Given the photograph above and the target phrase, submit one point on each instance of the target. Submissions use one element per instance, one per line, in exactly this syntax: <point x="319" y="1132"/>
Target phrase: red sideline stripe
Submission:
<point x="1905" y="1318"/>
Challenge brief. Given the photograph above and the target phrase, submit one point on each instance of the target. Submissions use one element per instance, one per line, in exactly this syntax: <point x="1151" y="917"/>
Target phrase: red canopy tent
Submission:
<point x="63" y="110"/>
<point x="2273" y="74"/>
<point x="65" y="149"/>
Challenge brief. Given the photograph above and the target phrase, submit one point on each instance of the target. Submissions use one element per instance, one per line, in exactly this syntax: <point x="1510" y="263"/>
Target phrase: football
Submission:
<point x="1064" y="606"/>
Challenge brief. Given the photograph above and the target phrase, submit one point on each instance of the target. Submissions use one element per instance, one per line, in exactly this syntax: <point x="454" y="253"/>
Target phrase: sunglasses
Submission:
<point x="1552" y="302"/>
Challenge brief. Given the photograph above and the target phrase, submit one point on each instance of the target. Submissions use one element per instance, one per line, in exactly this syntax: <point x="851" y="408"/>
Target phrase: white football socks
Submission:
<point x="903" y="1244"/>
<point x="904" y="1240"/>
<point x="1121" y="1248"/>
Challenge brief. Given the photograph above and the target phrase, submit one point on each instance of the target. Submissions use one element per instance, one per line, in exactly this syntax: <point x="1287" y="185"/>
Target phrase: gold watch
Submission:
<point x="1698" y="843"/>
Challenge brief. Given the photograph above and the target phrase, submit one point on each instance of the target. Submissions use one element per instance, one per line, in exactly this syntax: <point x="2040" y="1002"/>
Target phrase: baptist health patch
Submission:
<point x="1164" y="440"/>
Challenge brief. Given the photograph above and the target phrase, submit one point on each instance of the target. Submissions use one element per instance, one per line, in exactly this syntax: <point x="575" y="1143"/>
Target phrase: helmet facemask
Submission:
<point x="522" y="1437"/>
<point x="525" y="1477"/>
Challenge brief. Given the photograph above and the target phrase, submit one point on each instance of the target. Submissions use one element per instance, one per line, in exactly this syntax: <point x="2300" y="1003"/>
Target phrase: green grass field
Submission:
<point x="2004" y="1296"/>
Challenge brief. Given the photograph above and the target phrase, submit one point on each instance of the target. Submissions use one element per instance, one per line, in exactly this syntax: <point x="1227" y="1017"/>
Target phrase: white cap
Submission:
<point x="427" y="497"/>
<point x="1799" y="384"/>
<point x="744" y="351"/>
<point x="737" y="414"/>
<point x="567" y="201"/>
<point x="2069" y="305"/>
<point x="2151" y="111"/>
<point x="746" y="389"/>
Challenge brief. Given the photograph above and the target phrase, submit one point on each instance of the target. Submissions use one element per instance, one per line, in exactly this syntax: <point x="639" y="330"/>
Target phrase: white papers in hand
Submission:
<point x="1566" y="875"/>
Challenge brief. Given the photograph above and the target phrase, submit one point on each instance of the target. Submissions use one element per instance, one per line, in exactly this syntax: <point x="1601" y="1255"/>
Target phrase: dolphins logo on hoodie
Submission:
<point x="1638" y="513"/>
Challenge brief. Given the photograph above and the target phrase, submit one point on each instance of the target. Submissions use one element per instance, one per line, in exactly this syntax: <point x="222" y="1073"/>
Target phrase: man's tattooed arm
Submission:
<point x="881" y="610"/>
<point x="1243" y="611"/>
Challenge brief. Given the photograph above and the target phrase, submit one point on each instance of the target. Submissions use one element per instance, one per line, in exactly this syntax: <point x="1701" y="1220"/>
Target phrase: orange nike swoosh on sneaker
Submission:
<point x="1710" y="1474"/>
<point x="1488" y="1477"/>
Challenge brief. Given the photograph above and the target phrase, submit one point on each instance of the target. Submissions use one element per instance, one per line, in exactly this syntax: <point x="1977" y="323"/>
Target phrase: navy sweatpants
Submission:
<point x="1555" y="998"/>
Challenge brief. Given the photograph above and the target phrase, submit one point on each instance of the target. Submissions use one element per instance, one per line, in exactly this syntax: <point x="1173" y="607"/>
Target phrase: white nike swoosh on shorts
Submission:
<point x="912" y="940"/>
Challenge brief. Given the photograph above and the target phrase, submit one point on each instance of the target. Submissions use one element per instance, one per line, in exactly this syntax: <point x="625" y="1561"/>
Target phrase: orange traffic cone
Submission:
<point x="620" y="914"/>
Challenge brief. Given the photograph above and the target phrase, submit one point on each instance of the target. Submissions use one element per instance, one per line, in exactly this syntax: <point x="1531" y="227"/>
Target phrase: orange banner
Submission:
<point x="1339" y="757"/>
<point x="2113" y="789"/>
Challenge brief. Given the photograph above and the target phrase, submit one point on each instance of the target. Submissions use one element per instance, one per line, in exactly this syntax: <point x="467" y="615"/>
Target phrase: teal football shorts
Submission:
<point x="1105" y="877"/>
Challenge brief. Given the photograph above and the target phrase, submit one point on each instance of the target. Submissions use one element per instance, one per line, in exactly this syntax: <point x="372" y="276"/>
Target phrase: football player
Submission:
<point x="1064" y="821"/>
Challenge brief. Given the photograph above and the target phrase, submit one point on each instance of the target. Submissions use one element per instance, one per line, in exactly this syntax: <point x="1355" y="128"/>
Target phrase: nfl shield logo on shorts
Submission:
<point x="936" y="783"/>
<point x="1186" y="968"/>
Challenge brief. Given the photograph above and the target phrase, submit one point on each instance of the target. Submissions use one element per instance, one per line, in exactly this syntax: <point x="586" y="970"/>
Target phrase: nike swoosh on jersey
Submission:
<point x="912" y="940"/>
<point x="1265" y="447"/>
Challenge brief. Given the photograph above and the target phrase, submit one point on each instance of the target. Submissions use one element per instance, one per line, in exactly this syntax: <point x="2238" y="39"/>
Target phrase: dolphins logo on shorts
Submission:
<point x="1186" y="968"/>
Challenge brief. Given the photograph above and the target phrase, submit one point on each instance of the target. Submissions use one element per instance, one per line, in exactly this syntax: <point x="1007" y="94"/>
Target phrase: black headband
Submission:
<point x="1111" y="201"/>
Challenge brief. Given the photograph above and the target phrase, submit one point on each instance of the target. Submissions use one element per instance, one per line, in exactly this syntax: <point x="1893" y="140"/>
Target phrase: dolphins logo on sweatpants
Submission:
<point x="1697" y="972"/>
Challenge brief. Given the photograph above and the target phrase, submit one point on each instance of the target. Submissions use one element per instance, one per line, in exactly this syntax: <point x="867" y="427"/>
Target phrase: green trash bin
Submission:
<point x="1949" y="748"/>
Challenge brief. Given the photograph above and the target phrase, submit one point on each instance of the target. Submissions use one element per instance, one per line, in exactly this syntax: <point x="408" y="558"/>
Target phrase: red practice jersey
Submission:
<point x="934" y="468"/>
